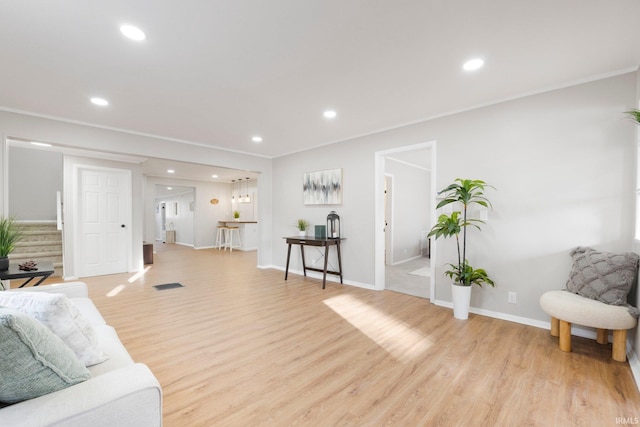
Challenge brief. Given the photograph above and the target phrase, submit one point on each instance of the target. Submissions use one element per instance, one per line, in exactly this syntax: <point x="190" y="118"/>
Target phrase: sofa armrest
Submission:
<point x="129" y="396"/>
<point x="70" y="289"/>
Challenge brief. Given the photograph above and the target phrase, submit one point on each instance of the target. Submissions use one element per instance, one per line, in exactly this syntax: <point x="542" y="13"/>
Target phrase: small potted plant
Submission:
<point x="302" y="227"/>
<point x="10" y="234"/>
<point x="236" y="215"/>
<point x="463" y="193"/>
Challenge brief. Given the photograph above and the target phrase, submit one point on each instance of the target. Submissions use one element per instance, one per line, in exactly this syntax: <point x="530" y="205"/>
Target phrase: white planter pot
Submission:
<point x="461" y="296"/>
<point x="302" y="233"/>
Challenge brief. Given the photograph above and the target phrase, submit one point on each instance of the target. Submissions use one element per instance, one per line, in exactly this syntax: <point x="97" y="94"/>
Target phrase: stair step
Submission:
<point x="40" y="256"/>
<point x="28" y="233"/>
<point x="32" y="243"/>
<point x="38" y="226"/>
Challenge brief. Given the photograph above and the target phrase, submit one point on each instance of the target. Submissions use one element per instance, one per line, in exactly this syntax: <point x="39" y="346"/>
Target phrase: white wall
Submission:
<point x="32" y="198"/>
<point x="635" y="337"/>
<point x="563" y="166"/>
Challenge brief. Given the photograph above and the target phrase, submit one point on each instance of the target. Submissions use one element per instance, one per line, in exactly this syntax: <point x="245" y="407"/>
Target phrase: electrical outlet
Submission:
<point x="511" y="297"/>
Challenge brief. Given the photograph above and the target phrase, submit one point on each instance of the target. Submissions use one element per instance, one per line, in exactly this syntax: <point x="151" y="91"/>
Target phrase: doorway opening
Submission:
<point x="175" y="214"/>
<point x="405" y="211"/>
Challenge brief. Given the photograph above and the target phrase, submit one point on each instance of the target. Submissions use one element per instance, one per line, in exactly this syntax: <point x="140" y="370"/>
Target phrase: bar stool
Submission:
<point x="221" y="236"/>
<point x="228" y="241"/>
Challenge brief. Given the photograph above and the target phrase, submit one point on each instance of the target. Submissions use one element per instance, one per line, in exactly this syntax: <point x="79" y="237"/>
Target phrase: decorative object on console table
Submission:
<point x="320" y="232"/>
<point x="302" y="227"/>
<point x="10" y="234"/>
<point x="43" y="270"/>
<point x="463" y="192"/>
<point x="322" y="187"/>
<point x="333" y="225"/>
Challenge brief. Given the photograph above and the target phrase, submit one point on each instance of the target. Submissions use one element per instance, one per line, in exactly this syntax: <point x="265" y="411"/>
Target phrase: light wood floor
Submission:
<point x="239" y="346"/>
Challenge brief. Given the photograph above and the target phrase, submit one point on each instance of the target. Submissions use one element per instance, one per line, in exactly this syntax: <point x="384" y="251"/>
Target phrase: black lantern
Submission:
<point x="333" y="225"/>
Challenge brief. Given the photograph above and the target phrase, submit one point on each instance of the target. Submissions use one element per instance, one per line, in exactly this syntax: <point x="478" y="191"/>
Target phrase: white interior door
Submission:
<point x="104" y="219"/>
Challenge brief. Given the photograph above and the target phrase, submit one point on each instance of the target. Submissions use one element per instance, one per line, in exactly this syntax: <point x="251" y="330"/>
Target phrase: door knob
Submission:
<point x="122" y="225"/>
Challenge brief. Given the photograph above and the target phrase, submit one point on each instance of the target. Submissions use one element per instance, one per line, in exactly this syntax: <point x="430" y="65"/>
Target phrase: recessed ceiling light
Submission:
<point x="214" y="176"/>
<point x="40" y="144"/>
<point x="170" y="171"/>
<point x="132" y="32"/>
<point x="329" y="114"/>
<point x="99" y="101"/>
<point x="169" y="188"/>
<point x="257" y="139"/>
<point x="473" y="64"/>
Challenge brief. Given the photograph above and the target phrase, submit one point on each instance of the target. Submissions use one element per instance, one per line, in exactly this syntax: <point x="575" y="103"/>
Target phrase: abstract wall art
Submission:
<point x="323" y="187"/>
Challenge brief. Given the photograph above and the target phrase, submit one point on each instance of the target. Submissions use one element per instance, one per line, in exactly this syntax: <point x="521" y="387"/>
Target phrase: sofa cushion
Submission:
<point x="34" y="361"/>
<point x="603" y="276"/>
<point x="110" y="343"/>
<point x="89" y="311"/>
<point x="62" y="317"/>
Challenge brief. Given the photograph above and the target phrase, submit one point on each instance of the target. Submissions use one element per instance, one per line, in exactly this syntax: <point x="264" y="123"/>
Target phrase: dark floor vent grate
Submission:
<point x="168" y="286"/>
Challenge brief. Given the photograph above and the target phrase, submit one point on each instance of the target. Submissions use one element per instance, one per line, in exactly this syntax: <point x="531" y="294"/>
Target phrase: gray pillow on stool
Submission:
<point x="603" y="276"/>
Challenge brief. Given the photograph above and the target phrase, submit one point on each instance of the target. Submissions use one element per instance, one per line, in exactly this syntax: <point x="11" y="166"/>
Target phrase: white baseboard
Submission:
<point x="330" y="277"/>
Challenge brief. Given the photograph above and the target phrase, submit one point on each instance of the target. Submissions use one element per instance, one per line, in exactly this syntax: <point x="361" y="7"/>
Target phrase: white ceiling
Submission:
<point x="217" y="72"/>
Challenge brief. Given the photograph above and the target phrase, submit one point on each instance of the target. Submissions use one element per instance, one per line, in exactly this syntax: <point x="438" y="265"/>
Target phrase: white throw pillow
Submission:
<point x="59" y="314"/>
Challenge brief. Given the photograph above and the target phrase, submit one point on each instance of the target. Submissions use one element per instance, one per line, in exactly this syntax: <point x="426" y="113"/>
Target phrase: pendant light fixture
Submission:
<point x="233" y="189"/>
<point x="247" y="199"/>
<point x="240" y="198"/>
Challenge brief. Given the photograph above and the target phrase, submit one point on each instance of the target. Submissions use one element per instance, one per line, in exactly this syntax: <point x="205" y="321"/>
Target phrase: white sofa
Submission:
<point x="119" y="393"/>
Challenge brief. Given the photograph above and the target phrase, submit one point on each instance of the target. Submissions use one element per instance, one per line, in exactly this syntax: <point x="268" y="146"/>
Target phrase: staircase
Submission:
<point x="41" y="241"/>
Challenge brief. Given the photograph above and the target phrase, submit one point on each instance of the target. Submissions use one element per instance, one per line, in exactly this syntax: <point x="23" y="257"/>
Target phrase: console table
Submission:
<point x="313" y="241"/>
<point x="45" y="269"/>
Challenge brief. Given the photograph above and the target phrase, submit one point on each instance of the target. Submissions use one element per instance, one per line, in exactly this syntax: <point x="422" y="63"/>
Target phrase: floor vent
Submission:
<point x="168" y="286"/>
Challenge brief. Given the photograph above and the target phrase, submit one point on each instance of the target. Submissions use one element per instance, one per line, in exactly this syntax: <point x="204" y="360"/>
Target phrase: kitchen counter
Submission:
<point x="248" y="233"/>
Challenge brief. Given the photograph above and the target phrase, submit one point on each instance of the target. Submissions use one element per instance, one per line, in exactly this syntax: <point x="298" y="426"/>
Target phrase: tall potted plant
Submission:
<point x="10" y="234"/>
<point x="463" y="193"/>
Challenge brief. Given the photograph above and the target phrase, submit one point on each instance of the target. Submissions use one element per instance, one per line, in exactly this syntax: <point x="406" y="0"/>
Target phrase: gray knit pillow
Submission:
<point x="33" y="360"/>
<point x="602" y="276"/>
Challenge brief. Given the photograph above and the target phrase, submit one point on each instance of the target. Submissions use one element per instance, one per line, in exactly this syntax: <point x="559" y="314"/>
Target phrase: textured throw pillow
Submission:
<point x="603" y="276"/>
<point x="59" y="314"/>
<point x="33" y="360"/>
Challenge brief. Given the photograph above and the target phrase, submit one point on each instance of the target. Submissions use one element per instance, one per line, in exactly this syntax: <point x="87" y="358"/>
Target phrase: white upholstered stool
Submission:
<point x="566" y="308"/>
<point x="229" y="237"/>
<point x="221" y="236"/>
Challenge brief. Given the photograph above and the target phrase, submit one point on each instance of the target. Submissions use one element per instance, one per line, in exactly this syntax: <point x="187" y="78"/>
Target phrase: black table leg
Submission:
<point x="339" y="259"/>
<point x="42" y="279"/>
<point x="326" y="259"/>
<point x="286" y="271"/>
<point x="304" y="264"/>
